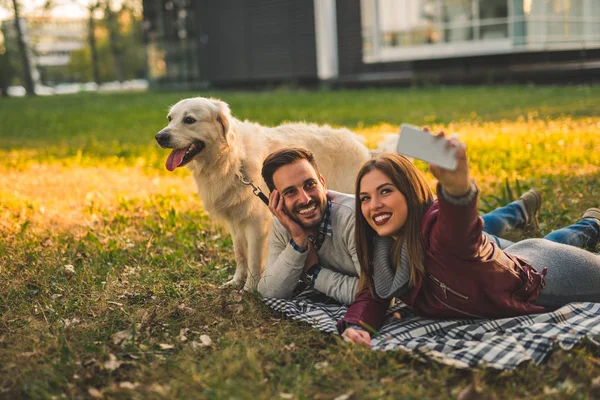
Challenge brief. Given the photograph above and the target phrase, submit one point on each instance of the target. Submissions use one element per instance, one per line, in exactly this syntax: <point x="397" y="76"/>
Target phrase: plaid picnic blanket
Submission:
<point x="466" y="343"/>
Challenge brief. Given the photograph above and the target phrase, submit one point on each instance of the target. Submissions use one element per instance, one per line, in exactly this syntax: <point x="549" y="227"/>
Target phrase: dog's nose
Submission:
<point x="162" y="138"/>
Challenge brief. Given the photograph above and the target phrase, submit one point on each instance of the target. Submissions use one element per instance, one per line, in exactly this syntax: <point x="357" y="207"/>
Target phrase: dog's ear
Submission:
<point x="224" y="115"/>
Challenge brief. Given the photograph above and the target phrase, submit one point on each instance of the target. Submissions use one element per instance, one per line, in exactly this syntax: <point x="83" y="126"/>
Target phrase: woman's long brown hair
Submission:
<point x="419" y="197"/>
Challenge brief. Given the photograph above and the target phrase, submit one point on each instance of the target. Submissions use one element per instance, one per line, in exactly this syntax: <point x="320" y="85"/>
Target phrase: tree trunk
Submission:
<point x="93" y="49"/>
<point x="114" y="36"/>
<point x="27" y="76"/>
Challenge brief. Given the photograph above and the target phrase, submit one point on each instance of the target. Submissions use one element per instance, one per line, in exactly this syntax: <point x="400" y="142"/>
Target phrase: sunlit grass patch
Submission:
<point x="521" y="149"/>
<point x="53" y="197"/>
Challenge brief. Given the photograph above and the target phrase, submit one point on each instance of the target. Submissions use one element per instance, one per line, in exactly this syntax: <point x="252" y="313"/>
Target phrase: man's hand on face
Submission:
<point x="299" y="235"/>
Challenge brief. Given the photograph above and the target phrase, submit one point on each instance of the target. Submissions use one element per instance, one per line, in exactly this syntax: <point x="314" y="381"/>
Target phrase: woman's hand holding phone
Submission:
<point x="457" y="182"/>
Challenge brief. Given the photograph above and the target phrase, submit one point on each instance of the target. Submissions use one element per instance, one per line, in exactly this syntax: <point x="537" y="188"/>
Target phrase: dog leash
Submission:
<point x="255" y="189"/>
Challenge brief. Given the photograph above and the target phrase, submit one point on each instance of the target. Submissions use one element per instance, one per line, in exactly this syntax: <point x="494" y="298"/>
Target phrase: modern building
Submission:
<point x="51" y="40"/>
<point x="54" y="39"/>
<point x="256" y="42"/>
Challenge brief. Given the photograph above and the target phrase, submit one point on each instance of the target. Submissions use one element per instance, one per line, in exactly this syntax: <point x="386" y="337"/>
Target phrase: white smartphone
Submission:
<point x="423" y="145"/>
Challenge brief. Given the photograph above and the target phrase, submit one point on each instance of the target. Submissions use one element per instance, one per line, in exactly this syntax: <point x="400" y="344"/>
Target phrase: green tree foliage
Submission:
<point x="130" y="51"/>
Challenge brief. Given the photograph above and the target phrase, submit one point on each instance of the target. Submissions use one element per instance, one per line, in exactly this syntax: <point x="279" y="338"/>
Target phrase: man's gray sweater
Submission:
<point x="338" y="278"/>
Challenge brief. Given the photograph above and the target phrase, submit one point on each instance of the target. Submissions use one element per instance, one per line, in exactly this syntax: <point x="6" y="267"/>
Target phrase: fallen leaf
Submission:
<point x="128" y="385"/>
<point x="236" y="297"/>
<point x="165" y="346"/>
<point x="596" y="383"/>
<point x="160" y="389"/>
<point x="235" y="308"/>
<point x="289" y="347"/>
<point x="550" y="391"/>
<point x="185" y="308"/>
<point x="286" y="395"/>
<point x="345" y="396"/>
<point x="69" y="322"/>
<point x="206" y="340"/>
<point x="69" y="269"/>
<point x="89" y="361"/>
<point x="568" y="386"/>
<point x="182" y="332"/>
<point x="95" y="393"/>
<point x="321" y="365"/>
<point x="122" y="336"/>
<point x="112" y="363"/>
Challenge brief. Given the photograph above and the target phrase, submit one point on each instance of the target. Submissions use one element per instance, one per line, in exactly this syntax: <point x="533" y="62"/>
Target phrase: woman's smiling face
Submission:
<point x="382" y="204"/>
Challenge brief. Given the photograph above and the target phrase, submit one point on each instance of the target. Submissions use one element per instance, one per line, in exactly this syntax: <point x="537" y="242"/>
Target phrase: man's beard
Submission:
<point x="313" y="224"/>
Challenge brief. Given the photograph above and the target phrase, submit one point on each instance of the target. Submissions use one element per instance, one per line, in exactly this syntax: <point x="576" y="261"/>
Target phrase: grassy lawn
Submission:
<point x="109" y="267"/>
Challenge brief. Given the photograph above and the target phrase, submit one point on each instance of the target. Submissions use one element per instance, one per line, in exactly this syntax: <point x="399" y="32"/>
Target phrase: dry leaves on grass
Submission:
<point x="182" y="307"/>
<point x="70" y="322"/>
<point x="112" y="363"/>
<point x="236" y="297"/>
<point x="69" y="269"/>
<point x="205" y="341"/>
<point x="128" y="385"/>
<point x="235" y="308"/>
<point x="346" y="396"/>
<point x="95" y="393"/>
<point x="121" y="336"/>
<point x="160" y="389"/>
<point x="182" y="333"/>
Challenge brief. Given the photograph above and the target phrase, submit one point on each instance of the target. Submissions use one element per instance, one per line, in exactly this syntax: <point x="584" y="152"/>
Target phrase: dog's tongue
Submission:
<point x="175" y="159"/>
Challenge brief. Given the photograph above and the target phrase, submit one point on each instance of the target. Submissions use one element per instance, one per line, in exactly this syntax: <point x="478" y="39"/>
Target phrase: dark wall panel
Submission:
<point x="349" y="37"/>
<point x="260" y="41"/>
<point x="227" y="40"/>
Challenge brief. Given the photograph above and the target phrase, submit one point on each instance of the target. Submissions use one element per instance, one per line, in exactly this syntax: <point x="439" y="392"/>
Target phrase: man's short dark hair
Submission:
<point x="279" y="158"/>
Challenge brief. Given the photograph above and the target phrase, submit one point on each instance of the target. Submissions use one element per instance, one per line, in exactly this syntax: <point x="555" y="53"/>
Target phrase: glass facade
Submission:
<point x="420" y="29"/>
<point x="173" y="46"/>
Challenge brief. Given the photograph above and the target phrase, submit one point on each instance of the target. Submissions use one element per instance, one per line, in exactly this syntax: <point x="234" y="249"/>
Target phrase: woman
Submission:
<point x="433" y="256"/>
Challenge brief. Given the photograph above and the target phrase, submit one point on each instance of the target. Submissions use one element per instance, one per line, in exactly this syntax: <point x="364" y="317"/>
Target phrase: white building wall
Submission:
<point x="326" y="38"/>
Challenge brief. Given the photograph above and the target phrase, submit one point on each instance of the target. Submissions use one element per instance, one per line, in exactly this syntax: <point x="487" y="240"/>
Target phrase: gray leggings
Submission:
<point x="573" y="273"/>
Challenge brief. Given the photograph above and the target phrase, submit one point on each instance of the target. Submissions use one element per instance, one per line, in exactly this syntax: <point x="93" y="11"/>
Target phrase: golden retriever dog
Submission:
<point x="219" y="148"/>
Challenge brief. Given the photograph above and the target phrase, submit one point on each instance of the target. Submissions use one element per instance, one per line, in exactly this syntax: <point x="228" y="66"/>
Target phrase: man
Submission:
<point x="312" y="236"/>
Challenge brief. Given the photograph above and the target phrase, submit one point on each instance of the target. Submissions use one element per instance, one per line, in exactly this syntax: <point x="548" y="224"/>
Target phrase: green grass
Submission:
<point x="120" y="126"/>
<point x="97" y="238"/>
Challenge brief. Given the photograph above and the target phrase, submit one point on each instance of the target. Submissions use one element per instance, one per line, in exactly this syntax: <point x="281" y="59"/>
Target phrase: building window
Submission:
<point x="417" y="29"/>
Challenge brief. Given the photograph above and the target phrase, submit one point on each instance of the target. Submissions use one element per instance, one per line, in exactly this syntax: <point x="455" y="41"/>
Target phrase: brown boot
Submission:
<point x="532" y="200"/>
